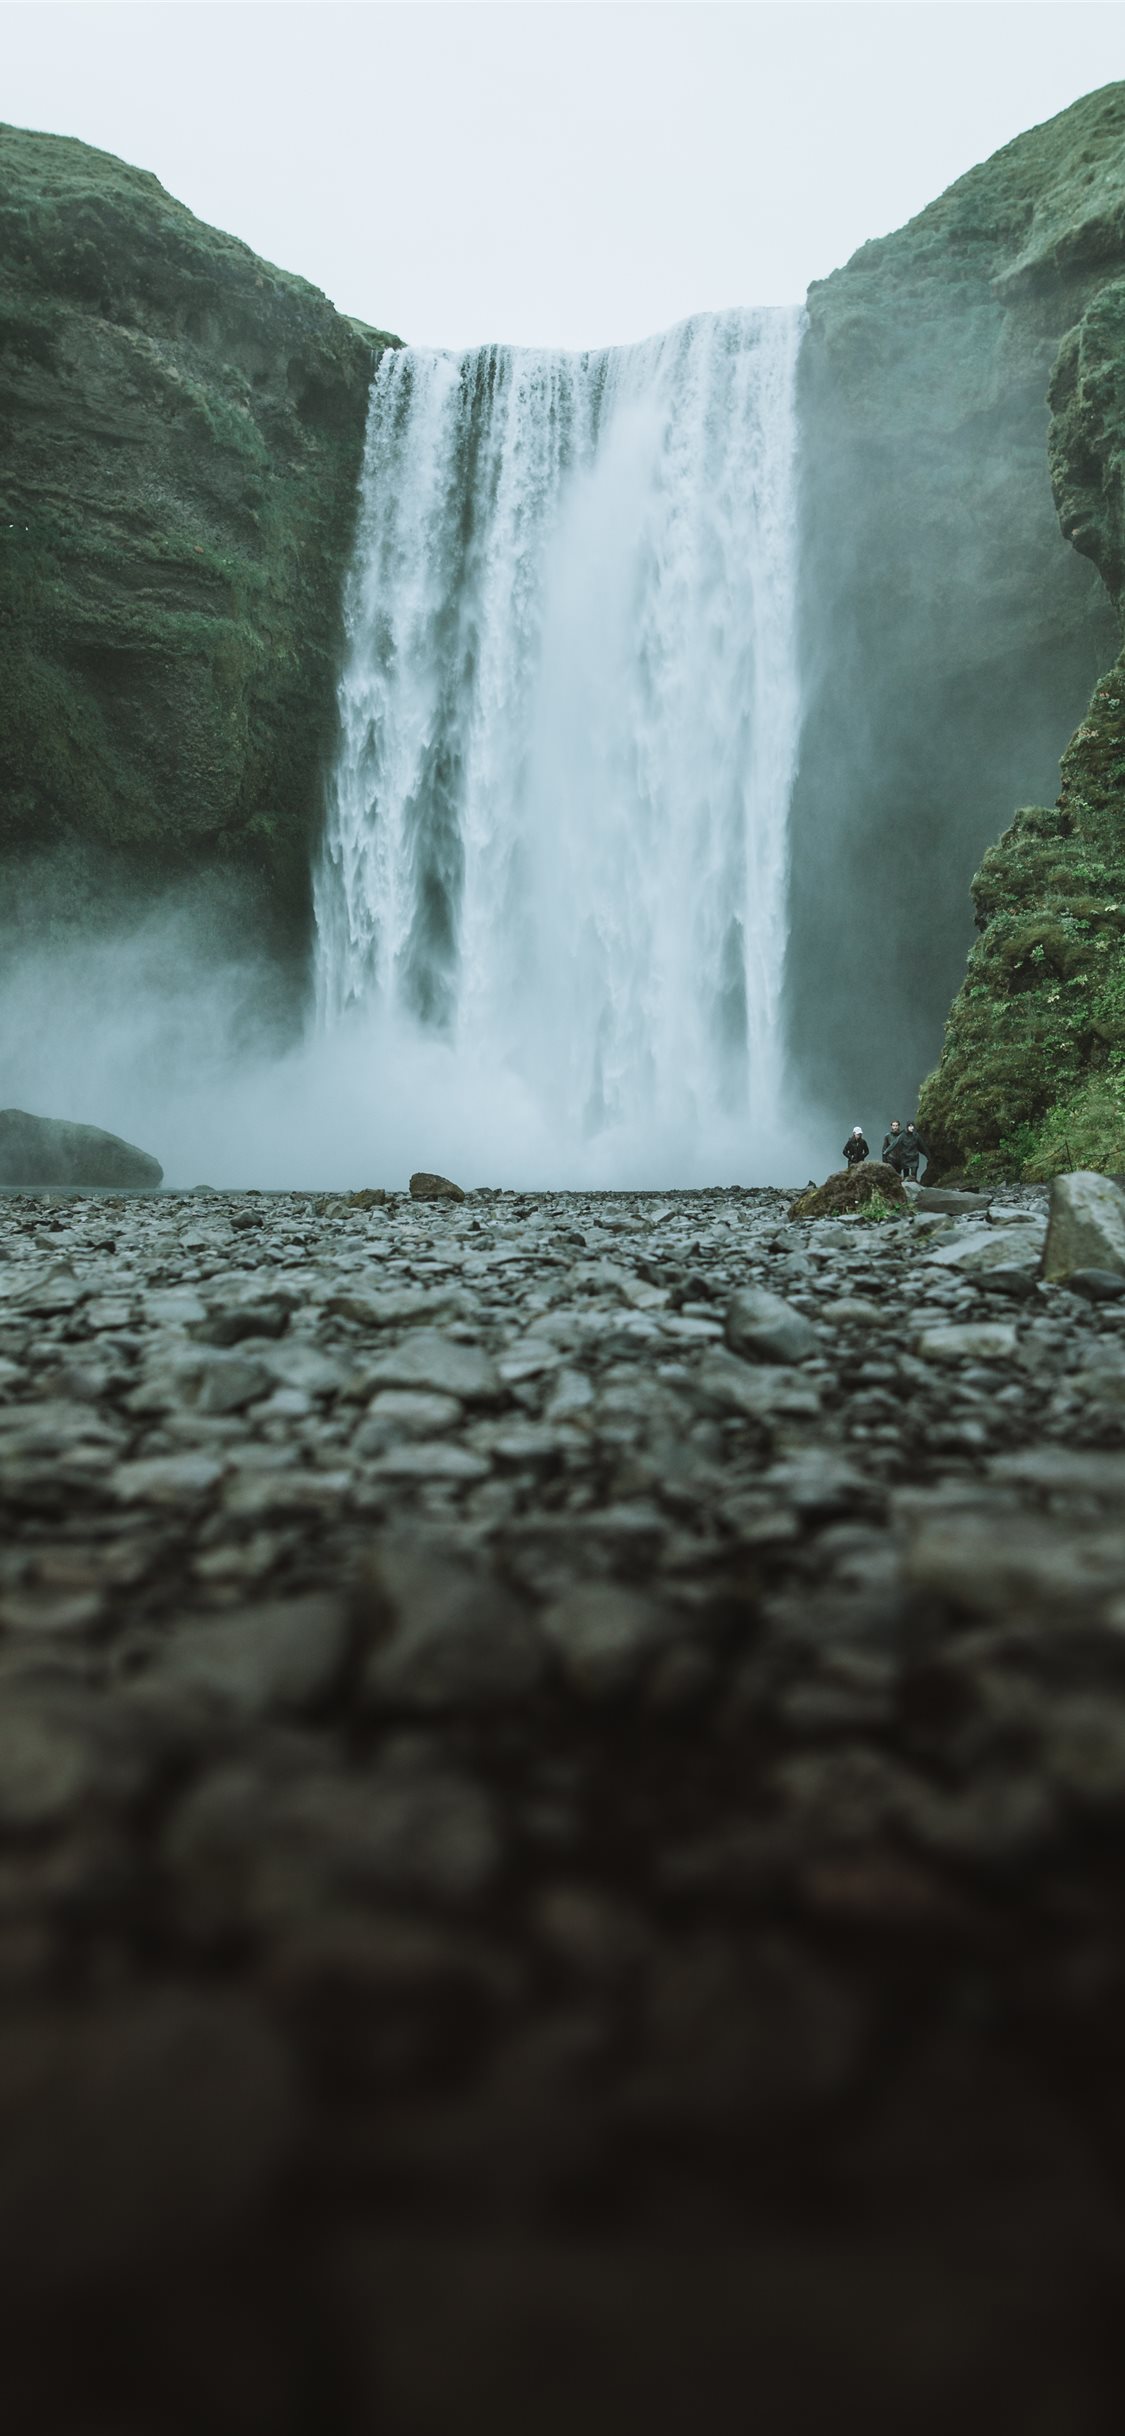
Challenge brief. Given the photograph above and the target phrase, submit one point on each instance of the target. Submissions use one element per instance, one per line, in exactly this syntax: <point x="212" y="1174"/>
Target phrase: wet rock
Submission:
<point x="943" y="1200"/>
<point x="284" y="1658"/>
<point x="1097" y="1285"/>
<point x="970" y="1341"/>
<point x="979" y="1250"/>
<point x="603" y="1636"/>
<point x="440" y="1365"/>
<point x="1086" y="1228"/>
<point x="447" y="1635"/>
<point x="38" y="1151"/>
<point x="760" y="1327"/>
<point x="426" y="1187"/>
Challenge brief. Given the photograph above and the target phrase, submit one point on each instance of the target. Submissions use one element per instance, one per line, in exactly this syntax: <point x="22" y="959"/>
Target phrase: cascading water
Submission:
<point x="553" y="880"/>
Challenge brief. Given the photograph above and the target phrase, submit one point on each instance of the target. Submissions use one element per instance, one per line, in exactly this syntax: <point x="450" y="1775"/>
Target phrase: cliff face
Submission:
<point x="1032" y="1073"/>
<point x="950" y="633"/>
<point x="181" y="428"/>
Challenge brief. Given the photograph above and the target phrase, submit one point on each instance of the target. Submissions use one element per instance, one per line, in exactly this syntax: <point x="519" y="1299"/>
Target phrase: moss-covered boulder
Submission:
<point x="872" y="1189"/>
<point x="181" y="427"/>
<point x="950" y="636"/>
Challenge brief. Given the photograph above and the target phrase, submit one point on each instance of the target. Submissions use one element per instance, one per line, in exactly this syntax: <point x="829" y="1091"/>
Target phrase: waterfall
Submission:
<point x="555" y="849"/>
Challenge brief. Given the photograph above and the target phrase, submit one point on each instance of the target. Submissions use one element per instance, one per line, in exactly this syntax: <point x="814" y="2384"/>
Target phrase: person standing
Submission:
<point x="891" y="1139"/>
<point x="913" y="1149"/>
<point x="855" y="1148"/>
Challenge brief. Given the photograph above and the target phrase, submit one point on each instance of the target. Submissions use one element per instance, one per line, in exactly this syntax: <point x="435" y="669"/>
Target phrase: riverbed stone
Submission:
<point x="427" y="1187"/>
<point x="761" y="1327"/>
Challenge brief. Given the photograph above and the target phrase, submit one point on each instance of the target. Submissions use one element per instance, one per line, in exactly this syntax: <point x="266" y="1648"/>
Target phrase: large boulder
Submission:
<point x="427" y="1187"/>
<point x="850" y="1190"/>
<point x="1086" y="1229"/>
<point x="49" y="1151"/>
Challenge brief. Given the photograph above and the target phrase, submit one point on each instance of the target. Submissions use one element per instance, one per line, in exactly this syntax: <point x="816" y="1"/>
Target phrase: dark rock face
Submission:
<point x="49" y="1151"/>
<point x="949" y="639"/>
<point x="1031" y="1079"/>
<point x="181" y="428"/>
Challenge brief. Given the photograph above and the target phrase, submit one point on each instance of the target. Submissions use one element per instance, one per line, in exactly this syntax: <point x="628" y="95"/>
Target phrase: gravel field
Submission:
<point x="562" y="1806"/>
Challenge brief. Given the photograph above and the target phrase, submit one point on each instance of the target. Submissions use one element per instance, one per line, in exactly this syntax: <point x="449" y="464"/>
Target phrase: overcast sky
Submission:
<point x="558" y="172"/>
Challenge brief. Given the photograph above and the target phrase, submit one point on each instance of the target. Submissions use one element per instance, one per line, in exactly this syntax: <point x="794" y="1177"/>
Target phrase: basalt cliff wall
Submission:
<point x="181" y="427"/>
<point x="952" y="633"/>
<point x="1032" y="1074"/>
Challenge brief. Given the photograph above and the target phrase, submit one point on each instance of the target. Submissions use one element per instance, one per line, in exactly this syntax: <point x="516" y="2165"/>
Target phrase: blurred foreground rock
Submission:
<point x="562" y="1792"/>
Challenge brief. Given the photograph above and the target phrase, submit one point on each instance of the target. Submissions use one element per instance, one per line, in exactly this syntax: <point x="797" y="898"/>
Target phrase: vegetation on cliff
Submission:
<point x="181" y="427"/>
<point x="950" y="637"/>
<point x="1032" y="1074"/>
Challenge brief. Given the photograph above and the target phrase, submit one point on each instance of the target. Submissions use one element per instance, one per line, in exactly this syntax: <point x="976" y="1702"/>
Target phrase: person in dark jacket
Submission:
<point x="855" y="1148"/>
<point x="913" y="1149"/>
<point x="890" y="1138"/>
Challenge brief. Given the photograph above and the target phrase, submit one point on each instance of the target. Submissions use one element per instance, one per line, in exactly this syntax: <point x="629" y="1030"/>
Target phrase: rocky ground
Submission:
<point x="560" y="1825"/>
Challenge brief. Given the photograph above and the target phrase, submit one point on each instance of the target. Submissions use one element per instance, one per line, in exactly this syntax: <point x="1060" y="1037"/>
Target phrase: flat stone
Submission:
<point x="430" y="1459"/>
<point x="283" y="1658"/>
<point x="166" y="1480"/>
<point x="404" y="1412"/>
<point x="980" y="1249"/>
<point x="969" y="1341"/>
<point x="733" y="1386"/>
<point x="603" y="1637"/>
<point x="1086" y="1228"/>
<point x="448" y="1635"/>
<point x="945" y="1201"/>
<point x="231" y="1382"/>
<point x="431" y="1360"/>
<point x="1097" y="1285"/>
<point x="761" y="1327"/>
<point x="232" y="1323"/>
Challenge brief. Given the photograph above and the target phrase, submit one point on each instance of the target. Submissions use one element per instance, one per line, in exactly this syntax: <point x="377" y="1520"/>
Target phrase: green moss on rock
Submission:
<point x="1032" y="1074"/>
<point x="181" y="427"/>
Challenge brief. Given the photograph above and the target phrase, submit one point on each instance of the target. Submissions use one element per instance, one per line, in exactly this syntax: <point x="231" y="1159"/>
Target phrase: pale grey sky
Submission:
<point x="557" y="172"/>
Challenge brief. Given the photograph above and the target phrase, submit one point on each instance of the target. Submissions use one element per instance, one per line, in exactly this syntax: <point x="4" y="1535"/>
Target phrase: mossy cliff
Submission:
<point x="1032" y="1073"/>
<point x="951" y="633"/>
<point x="181" y="427"/>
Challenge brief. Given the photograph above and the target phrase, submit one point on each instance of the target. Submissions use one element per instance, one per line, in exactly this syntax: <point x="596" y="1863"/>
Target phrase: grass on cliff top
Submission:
<point x="1032" y="1074"/>
<point x="64" y="200"/>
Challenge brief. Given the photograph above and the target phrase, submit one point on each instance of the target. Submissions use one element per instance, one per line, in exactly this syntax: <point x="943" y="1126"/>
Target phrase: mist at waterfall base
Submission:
<point x="552" y="898"/>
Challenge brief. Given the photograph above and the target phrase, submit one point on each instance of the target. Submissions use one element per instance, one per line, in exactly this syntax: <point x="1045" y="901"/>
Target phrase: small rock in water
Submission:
<point x="424" y="1187"/>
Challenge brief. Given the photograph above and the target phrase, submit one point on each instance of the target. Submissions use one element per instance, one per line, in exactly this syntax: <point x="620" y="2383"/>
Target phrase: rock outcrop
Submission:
<point x="1032" y="1074"/>
<point x="950" y="639"/>
<point x="181" y="427"/>
<point x="51" y="1152"/>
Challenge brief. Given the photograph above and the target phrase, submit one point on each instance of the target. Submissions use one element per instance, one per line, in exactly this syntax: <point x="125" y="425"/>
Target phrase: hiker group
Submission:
<point x="902" y="1148"/>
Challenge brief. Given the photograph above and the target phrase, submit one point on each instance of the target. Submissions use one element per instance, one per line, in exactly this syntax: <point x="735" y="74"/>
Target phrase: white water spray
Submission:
<point x="553" y="881"/>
